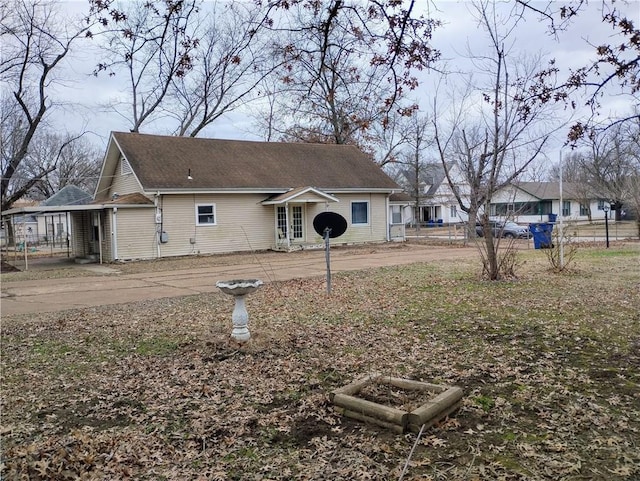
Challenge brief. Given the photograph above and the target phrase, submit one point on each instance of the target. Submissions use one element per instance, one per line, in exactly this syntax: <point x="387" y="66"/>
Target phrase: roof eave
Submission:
<point x="68" y="208"/>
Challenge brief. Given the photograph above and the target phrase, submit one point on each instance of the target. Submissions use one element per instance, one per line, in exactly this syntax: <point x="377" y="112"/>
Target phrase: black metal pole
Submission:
<point x="606" y="226"/>
<point x="327" y="231"/>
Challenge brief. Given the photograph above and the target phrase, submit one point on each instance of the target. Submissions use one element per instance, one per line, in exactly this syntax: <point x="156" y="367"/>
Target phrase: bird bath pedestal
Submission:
<point x="239" y="289"/>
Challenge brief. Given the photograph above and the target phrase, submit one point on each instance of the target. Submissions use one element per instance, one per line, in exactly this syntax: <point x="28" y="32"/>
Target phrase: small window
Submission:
<point x="454" y="211"/>
<point x="125" y="166"/>
<point x="396" y="214"/>
<point x="566" y="208"/>
<point x="601" y="205"/>
<point x="205" y="214"/>
<point x="584" y="209"/>
<point x="359" y="213"/>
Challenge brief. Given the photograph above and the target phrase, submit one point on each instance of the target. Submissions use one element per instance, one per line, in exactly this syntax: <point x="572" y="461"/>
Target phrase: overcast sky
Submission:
<point x="85" y="93"/>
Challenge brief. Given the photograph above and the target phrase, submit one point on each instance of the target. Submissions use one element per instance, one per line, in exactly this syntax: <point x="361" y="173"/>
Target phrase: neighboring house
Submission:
<point x="437" y="202"/>
<point x="440" y="204"/>
<point x="161" y="196"/>
<point x="527" y="202"/>
<point x="25" y="226"/>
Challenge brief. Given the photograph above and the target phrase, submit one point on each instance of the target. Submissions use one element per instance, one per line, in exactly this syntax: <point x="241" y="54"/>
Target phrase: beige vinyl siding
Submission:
<point x="80" y="235"/>
<point x="124" y="183"/>
<point x="136" y="230"/>
<point x="375" y="231"/>
<point x="107" y="255"/>
<point x="242" y="224"/>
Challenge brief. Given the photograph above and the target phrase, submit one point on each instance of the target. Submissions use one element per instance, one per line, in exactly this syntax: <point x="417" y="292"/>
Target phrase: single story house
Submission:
<point x="527" y="202"/>
<point x="160" y="196"/>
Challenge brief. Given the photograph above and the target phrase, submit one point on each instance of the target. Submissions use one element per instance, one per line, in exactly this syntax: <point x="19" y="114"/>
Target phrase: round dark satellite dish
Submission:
<point x="333" y="221"/>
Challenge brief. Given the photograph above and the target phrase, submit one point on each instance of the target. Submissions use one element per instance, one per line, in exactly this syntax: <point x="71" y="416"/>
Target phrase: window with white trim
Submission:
<point x="205" y="214"/>
<point x="396" y="214"/>
<point x="360" y="213"/>
<point x="453" y="211"/>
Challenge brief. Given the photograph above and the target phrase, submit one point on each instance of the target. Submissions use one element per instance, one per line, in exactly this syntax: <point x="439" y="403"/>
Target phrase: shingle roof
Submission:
<point x="400" y="197"/>
<point x="164" y="162"/>
<point x="549" y="190"/>
<point x="68" y="195"/>
<point x="135" y="198"/>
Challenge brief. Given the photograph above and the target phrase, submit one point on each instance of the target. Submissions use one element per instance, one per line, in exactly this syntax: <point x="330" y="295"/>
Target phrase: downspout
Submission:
<point x="100" y="234"/>
<point x="114" y="234"/>
<point x="67" y="218"/>
<point x="158" y="226"/>
<point x="386" y="209"/>
<point x="275" y="227"/>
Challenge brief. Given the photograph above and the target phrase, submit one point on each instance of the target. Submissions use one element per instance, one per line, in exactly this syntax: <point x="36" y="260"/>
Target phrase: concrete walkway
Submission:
<point x="110" y="286"/>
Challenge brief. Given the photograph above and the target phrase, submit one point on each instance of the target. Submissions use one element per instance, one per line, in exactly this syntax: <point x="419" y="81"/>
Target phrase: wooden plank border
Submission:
<point x="447" y="399"/>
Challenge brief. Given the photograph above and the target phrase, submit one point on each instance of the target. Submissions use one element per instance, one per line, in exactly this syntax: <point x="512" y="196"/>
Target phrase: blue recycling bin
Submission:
<point x="552" y="217"/>
<point x="541" y="235"/>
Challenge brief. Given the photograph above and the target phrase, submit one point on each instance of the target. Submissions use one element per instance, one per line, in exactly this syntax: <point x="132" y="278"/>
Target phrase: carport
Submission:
<point x="19" y="241"/>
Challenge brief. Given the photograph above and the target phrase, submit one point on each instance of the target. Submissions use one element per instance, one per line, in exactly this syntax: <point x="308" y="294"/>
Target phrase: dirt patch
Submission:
<point x="6" y="267"/>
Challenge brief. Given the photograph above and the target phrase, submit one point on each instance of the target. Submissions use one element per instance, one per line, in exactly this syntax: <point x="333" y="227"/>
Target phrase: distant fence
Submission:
<point x="35" y="243"/>
<point x="580" y="230"/>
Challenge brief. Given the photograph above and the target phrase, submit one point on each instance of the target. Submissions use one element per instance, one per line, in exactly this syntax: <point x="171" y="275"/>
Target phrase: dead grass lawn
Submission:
<point x="549" y="364"/>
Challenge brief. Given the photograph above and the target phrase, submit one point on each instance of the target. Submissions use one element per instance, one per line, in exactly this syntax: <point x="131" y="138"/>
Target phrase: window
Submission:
<point x="601" y="205"/>
<point x="205" y="214"/>
<point x="584" y="209"/>
<point x="396" y="214"/>
<point x="282" y="222"/>
<point x="521" y="208"/>
<point x="453" y="211"/>
<point x="566" y="207"/>
<point x="359" y="213"/>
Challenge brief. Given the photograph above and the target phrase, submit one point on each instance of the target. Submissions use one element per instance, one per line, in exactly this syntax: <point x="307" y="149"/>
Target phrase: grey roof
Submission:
<point x="401" y="197"/>
<point x="434" y="175"/>
<point x="164" y="162"/>
<point x="550" y="190"/>
<point x="69" y="195"/>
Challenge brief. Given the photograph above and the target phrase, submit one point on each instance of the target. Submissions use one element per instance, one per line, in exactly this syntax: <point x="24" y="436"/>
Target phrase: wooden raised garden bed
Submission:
<point x="398" y="404"/>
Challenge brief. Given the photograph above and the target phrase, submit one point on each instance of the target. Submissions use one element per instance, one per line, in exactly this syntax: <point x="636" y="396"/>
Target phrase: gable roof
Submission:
<point x="308" y="193"/>
<point x="68" y="195"/>
<point x="165" y="162"/>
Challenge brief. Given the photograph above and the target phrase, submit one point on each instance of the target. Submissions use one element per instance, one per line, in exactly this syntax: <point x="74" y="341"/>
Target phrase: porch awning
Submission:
<point x="302" y="195"/>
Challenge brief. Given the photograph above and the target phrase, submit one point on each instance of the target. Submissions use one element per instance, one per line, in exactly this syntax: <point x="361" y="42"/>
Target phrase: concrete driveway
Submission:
<point x="111" y="286"/>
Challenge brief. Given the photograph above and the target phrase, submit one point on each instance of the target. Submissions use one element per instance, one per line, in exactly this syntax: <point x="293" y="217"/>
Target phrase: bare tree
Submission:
<point x="615" y="63"/>
<point x="633" y="134"/>
<point x="610" y="165"/>
<point x="232" y="59"/>
<point x="152" y="44"/>
<point x="411" y="167"/>
<point x="493" y="144"/>
<point x="574" y="172"/>
<point x="77" y="163"/>
<point x="36" y="39"/>
<point x="348" y="65"/>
